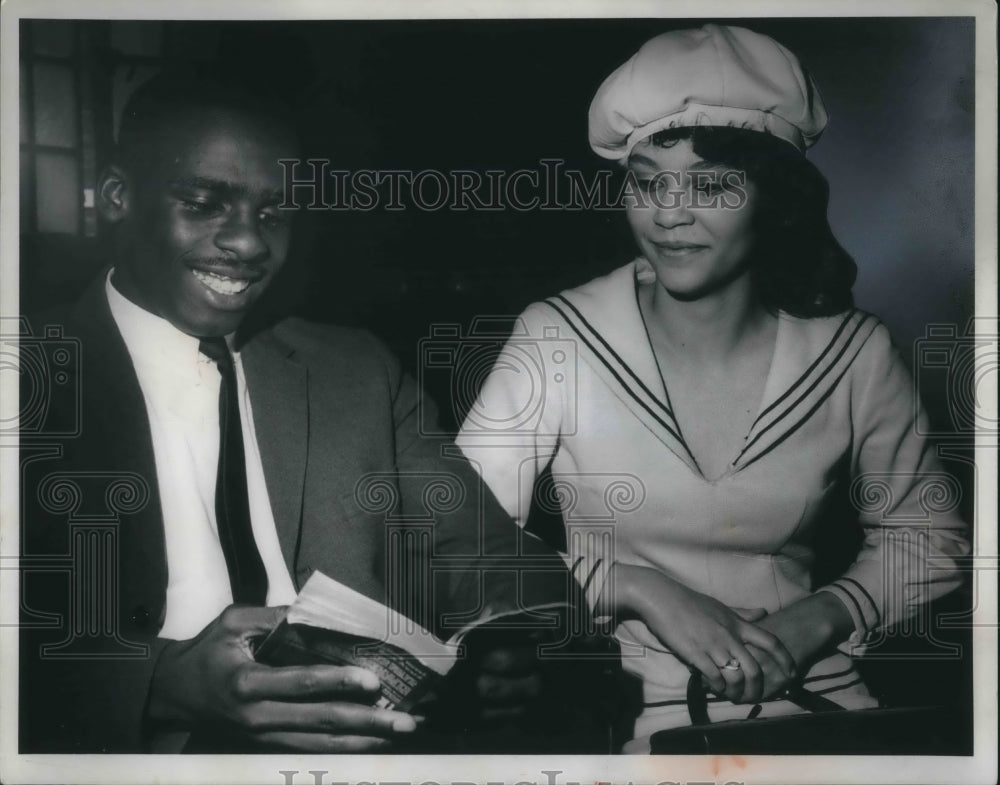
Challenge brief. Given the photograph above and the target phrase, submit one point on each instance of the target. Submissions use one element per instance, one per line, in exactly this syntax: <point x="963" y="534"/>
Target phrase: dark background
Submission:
<point x="504" y="94"/>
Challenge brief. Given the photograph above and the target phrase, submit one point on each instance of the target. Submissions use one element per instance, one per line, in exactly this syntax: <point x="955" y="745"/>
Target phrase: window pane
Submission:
<point x="58" y="193"/>
<point x="137" y="38"/>
<point x="54" y="37"/>
<point x="55" y="105"/>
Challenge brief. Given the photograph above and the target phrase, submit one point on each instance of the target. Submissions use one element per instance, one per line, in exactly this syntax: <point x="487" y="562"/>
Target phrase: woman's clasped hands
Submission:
<point x="737" y="658"/>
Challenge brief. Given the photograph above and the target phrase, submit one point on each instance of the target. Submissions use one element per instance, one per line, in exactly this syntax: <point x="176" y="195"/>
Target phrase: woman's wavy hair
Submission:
<point x="797" y="265"/>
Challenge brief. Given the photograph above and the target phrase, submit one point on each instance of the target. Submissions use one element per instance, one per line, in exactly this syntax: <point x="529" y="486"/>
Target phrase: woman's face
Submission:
<point x="692" y="219"/>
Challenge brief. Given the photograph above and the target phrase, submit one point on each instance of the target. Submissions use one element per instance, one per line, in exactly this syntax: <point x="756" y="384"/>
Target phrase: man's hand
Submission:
<point x="318" y="708"/>
<point x="509" y="679"/>
<point x="703" y="632"/>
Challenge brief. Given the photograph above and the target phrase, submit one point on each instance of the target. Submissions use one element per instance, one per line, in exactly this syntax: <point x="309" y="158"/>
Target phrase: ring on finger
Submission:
<point x="732" y="664"/>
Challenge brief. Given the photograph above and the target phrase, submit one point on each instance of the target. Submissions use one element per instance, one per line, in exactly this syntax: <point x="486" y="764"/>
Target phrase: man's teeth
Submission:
<point x="220" y="283"/>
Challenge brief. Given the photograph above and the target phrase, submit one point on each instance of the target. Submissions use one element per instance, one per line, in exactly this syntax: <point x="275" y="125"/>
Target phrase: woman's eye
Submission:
<point x="650" y="185"/>
<point x="712" y="189"/>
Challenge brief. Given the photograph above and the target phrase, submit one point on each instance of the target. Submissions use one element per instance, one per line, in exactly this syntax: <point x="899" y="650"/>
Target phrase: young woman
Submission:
<point x="725" y="380"/>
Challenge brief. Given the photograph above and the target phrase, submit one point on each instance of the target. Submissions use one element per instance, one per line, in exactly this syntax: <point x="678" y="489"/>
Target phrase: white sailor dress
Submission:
<point x="577" y="386"/>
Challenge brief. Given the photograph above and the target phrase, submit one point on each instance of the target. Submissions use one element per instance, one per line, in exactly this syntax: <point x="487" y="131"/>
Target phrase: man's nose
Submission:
<point x="240" y="235"/>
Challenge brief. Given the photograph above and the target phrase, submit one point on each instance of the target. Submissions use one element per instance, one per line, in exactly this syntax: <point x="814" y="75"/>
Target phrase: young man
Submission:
<point x="244" y="456"/>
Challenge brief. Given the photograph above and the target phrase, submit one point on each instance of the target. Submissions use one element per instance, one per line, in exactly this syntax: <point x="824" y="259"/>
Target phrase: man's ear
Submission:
<point x="113" y="197"/>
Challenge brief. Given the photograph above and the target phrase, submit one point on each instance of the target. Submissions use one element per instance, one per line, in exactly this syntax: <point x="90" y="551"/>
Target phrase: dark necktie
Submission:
<point x="247" y="576"/>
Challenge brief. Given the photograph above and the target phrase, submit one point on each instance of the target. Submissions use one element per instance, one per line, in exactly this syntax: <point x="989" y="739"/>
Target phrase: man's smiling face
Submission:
<point x="202" y="235"/>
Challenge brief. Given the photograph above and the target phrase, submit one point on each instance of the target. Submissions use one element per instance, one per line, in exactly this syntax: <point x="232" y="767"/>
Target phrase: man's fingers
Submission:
<point x="339" y="718"/>
<point x="258" y="682"/>
<point x="321" y="742"/>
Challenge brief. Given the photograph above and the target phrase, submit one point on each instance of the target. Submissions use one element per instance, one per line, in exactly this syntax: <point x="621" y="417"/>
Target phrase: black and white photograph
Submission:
<point x="545" y="393"/>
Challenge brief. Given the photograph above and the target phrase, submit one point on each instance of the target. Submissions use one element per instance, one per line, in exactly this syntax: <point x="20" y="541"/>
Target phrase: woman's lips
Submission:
<point x="677" y="249"/>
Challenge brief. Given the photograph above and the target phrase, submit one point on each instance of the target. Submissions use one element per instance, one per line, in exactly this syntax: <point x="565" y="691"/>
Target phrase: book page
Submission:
<point x="328" y="604"/>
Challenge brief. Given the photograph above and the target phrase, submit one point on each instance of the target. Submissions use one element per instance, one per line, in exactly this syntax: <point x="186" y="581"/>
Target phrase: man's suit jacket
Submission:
<point x="347" y="472"/>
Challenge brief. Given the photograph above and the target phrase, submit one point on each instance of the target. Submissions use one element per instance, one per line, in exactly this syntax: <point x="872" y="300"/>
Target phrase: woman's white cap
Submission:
<point x="714" y="76"/>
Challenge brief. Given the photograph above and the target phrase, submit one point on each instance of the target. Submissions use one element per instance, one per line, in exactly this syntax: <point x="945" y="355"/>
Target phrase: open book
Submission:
<point x="331" y="623"/>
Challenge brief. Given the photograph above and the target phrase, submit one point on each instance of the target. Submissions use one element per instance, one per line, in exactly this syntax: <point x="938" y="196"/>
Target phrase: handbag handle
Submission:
<point x="697" y="700"/>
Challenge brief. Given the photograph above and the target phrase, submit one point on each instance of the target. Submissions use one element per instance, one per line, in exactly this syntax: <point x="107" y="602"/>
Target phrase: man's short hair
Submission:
<point x="156" y="104"/>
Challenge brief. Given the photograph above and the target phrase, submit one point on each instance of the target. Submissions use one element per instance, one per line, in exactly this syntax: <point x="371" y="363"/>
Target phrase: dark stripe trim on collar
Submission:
<point x="801" y="380"/>
<point x="825" y="371"/>
<point x="670" y="427"/>
<point x="665" y="406"/>
<point x="832" y="368"/>
<point x="802" y="421"/>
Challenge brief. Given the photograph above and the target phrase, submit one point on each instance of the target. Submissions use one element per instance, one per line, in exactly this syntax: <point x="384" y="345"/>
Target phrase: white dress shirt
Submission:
<point x="181" y="390"/>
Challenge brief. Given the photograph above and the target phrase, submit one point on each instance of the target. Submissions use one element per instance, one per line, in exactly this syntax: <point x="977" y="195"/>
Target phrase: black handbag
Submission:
<point x="827" y="729"/>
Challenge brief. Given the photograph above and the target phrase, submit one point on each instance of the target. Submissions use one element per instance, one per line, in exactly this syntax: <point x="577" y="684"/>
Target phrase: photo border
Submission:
<point x="981" y="767"/>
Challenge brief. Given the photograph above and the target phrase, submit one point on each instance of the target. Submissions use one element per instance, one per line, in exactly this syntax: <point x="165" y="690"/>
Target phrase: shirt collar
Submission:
<point x="152" y="340"/>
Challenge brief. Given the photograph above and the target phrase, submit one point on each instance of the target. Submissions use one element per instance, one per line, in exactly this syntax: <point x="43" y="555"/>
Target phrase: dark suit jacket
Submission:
<point x="346" y="469"/>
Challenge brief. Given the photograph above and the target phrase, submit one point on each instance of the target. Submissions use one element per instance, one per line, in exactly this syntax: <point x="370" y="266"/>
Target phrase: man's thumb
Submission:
<point x="751" y="614"/>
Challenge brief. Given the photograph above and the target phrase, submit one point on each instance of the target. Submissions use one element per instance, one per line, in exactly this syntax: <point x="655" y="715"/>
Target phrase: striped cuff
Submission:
<point x="864" y="613"/>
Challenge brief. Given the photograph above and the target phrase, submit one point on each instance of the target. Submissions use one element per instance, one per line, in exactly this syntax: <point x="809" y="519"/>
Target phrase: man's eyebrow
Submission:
<point x="224" y="186"/>
<point x="208" y="183"/>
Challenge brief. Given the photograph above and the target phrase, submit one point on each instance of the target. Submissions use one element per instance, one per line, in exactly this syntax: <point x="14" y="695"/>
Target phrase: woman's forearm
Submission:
<point x="628" y="589"/>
